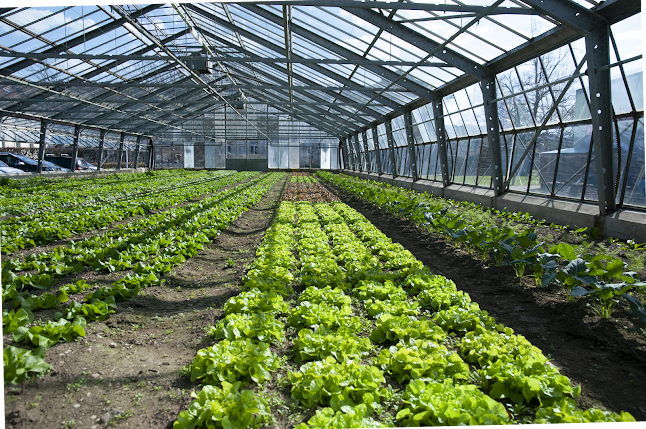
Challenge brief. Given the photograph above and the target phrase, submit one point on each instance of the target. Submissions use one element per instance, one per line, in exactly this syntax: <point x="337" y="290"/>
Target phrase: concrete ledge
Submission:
<point x="433" y="188"/>
<point x="627" y="224"/>
<point x="364" y="175"/>
<point x="403" y="182"/>
<point x="373" y="176"/>
<point x="386" y="178"/>
<point x="482" y="196"/>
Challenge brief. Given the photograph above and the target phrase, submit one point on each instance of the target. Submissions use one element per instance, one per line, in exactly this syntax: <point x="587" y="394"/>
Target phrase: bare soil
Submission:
<point x="131" y="362"/>
<point x="608" y="361"/>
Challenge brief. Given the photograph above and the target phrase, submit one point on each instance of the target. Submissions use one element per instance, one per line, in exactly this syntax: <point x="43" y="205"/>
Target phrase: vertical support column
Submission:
<point x="366" y="151"/>
<point x="344" y="152"/>
<point x="101" y="141"/>
<point x="391" y="147"/>
<point x="488" y="87"/>
<point x="408" y="123"/>
<point x="151" y="154"/>
<point x="438" y="118"/>
<point x="375" y="142"/>
<point x="357" y="151"/>
<point x="41" y="145"/>
<point x="75" y="146"/>
<point x="123" y="137"/>
<point x="137" y="151"/>
<point x="598" y="55"/>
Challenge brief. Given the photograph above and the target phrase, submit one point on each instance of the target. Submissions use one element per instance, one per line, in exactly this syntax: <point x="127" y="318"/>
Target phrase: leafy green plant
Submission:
<point x="307" y="314"/>
<point x="255" y="301"/>
<point x="227" y="407"/>
<point x="350" y="417"/>
<point x="19" y="363"/>
<point x="230" y="361"/>
<point x="411" y="360"/>
<point x="395" y="328"/>
<point x="12" y="320"/>
<point x="445" y="404"/>
<point x="565" y="411"/>
<point x="342" y="344"/>
<point x="52" y="332"/>
<point x="337" y="384"/>
<point x="262" y="326"/>
<point x="465" y="319"/>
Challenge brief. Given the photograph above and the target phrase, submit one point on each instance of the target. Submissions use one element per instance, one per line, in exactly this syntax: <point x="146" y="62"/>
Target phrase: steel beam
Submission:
<point x="391" y="5"/>
<point x="440" y="132"/>
<point x="83" y="38"/>
<point x="344" y="151"/>
<point x="41" y="145"/>
<point x="375" y="141"/>
<point x="357" y="150"/>
<point x="75" y="146"/>
<point x="391" y="147"/>
<point x="569" y="13"/>
<point x="386" y="102"/>
<point x="420" y="41"/>
<point x="488" y="87"/>
<point x="121" y="140"/>
<point x="137" y="151"/>
<point x="598" y="55"/>
<point x="367" y="152"/>
<point x="410" y="139"/>
<point x="101" y="142"/>
<point x="386" y="73"/>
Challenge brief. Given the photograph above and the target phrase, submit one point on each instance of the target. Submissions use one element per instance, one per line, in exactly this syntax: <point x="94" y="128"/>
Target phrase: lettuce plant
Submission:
<point x="262" y="326"/>
<point x="343" y="344"/>
<point x="565" y="411"/>
<point x="395" y="307"/>
<point x="307" y="314"/>
<point x="465" y="319"/>
<point x="413" y="360"/>
<point x="337" y="384"/>
<point x="526" y="379"/>
<point x="395" y="328"/>
<point x="326" y="295"/>
<point x="20" y="363"/>
<point x="230" y="361"/>
<point x="227" y="407"/>
<point x="350" y="417"/>
<point x="255" y="301"/>
<point x="445" y="404"/>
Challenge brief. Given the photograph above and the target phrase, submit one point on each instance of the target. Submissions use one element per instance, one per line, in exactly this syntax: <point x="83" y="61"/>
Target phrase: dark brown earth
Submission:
<point x="607" y="361"/>
<point x="131" y="361"/>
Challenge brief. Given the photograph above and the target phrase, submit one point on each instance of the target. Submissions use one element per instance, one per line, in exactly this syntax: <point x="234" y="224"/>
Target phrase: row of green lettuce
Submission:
<point x="58" y="194"/>
<point x="178" y="242"/>
<point x="46" y="227"/>
<point x="490" y="377"/>
<point x="602" y="278"/>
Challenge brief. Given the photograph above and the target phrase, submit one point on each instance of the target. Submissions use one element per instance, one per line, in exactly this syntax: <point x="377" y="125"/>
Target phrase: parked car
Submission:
<point x="5" y="169"/>
<point x="24" y="163"/>
<point x="65" y="161"/>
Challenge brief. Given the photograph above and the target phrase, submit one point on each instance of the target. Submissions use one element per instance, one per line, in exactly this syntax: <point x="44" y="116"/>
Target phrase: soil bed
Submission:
<point x="131" y="361"/>
<point x="607" y="361"/>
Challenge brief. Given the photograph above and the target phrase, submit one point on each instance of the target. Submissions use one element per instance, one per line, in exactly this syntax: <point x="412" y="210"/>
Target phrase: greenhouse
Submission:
<point x="324" y="213"/>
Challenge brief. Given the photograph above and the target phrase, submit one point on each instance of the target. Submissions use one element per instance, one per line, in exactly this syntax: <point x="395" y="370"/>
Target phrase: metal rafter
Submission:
<point x="386" y="102"/>
<point x="416" y="88"/>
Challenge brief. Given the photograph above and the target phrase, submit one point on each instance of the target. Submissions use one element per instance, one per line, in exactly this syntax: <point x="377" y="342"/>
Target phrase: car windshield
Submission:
<point x="23" y="158"/>
<point x="2" y="164"/>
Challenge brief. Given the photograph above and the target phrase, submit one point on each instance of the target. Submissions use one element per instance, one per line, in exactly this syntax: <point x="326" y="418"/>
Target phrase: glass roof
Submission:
<point x="340" y="67"/>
